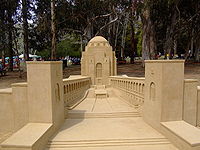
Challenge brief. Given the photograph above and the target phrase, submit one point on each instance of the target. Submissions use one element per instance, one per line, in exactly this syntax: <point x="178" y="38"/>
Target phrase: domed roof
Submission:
<point x="98" y="39"/>
<point x="96" y="43"/>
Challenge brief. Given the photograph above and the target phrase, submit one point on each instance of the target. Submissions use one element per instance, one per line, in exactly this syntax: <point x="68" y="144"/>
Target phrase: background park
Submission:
<point x="137" y="30"/>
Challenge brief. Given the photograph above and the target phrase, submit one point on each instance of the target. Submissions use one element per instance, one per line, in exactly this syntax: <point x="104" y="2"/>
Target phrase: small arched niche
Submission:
<point x="152" y="91"/>
<point x="57" y="92"/>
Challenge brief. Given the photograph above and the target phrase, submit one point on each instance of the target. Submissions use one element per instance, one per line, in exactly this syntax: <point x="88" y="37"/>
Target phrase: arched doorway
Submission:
<point x="98" y="73"/>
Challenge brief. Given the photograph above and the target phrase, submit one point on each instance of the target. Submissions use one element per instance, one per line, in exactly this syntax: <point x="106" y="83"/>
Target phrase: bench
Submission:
<point x="32" y="136"/>
<point x="182" y="134"/>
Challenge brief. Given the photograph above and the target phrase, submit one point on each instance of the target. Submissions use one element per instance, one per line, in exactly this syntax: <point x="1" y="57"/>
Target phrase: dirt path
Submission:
<point x="10" y="78"/>
<point x="192" y="71"/>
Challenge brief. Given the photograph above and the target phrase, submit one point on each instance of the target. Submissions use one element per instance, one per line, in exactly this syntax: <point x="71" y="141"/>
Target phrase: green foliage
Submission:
<point x="8" y="17"/>
<point x="172" y="21"/>
<point x="68" y="47"/>
<point x="139" y="42"/>
<point x="127" y="50"/>
<point x="44" y="53"/>
<point x="138" y="35"/>
<point x="87" y="18"/>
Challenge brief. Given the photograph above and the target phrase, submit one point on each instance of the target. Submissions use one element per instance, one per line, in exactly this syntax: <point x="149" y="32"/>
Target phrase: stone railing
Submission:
<point x="75" y="89"/>
<point x="131" y="88"/>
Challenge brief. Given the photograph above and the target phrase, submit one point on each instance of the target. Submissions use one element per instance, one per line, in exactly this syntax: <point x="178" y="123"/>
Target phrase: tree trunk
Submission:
<point x="169" y="44"/>
<point x="116" y="36"/>
<point x="10" y="45"/>
<point x="169" y="41"/>
<point x="192" y="44"/>
<point x="53" y="30"/>
<point x="197" y="51"/>
<point x="25" y="29"/>
<point x="109" y="30"/>
<point x="3" y="56"/>
<point x="17" y="53"/>
<point x="197" y="58"/>
<point x="81" y="38"/>
<point x="145" y="41"/>
<point x="175" y="46"/>
<point x="149" y="46"/>
<point x="187" y="51"/>
<point x="124" y="35"/>
<point x="133" y="42"/>
<point x="153" y="46"/>
<point x="88" y="31"/>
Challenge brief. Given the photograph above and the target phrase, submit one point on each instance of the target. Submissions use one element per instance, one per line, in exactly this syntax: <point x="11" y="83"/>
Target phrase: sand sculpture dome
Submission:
<point x="98" y="41"/>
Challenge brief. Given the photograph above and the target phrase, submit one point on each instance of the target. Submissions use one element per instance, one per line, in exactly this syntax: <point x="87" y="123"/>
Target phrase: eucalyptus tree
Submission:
<point x="8" y="11"/>
<point x="108" y="18"/>
<point x="25" y="28"/>
<point x="3" y="28"/>
<point x="42" y="26"/>
<point x="53" y="30"/>
<point x="166" y="23"/>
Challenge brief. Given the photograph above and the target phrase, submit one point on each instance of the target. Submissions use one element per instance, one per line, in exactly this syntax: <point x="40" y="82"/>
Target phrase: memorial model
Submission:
<point x="99" y="110"/>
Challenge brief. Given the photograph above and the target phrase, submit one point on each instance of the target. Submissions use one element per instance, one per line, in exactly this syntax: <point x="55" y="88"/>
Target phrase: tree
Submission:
<point x="42" y="36"/>
<point x="168" y="22"/>
<point x="25" y="28"/>
<point x="162" y="24"/>
<point x="8" y="11"/>
<point x="10" y="38"/>
<point x="53" y="30"/>
<point x="85" y="19"/>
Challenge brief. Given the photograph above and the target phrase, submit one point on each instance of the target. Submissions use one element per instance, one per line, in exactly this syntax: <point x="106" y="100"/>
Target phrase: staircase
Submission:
<point x="106" y="124"/>
<point x="100" y="91"/>
<point x="106" y="143"/>
<point x="102" y="115"/>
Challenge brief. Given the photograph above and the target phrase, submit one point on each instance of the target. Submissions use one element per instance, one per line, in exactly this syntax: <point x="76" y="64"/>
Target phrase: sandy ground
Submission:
<point x="192" y="71"/>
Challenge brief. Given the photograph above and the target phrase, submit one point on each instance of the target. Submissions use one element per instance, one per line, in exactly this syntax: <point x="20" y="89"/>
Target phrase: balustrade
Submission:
<point x="75" y="89"/>
<point x="131" y="88"/>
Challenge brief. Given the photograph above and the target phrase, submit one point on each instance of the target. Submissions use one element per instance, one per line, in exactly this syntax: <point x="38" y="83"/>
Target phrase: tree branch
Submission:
<point x="111" y="22"/>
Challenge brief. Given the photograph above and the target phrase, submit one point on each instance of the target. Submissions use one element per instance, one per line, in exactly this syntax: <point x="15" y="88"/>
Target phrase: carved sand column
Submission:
<point x="45" y="92"/>
<point x="164" y="80"/>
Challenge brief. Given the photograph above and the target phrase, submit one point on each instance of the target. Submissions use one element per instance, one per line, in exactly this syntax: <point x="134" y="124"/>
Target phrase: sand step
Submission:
<point x="4" y="136"/>
<point x="100" y="87"/>
<point x="101" y="93"/>
<point x="76" y="115"/>
<point x="108" y="142"/>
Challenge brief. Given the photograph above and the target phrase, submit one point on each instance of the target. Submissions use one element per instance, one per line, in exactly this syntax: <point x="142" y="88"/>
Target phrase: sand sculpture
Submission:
<point x="99" y="110"/>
